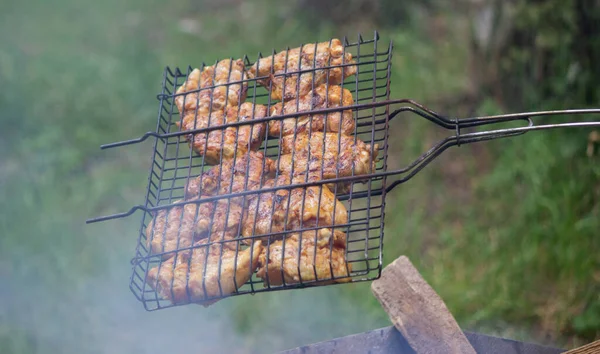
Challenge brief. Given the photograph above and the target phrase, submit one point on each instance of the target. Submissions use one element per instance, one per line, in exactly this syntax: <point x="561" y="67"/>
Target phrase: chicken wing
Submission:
<point x="304" y="257"/>
<point x="326" y="155"/>
<point x="247" y="173"/>
<point x="210" y="271"/>
<point x="282" y="210"/>
<point x="271" y="71"/>
<point x="180" y="226"/>
<point x="224" y="143"/>
<point x="323" y="96"/>
<point x="210" y="84"/>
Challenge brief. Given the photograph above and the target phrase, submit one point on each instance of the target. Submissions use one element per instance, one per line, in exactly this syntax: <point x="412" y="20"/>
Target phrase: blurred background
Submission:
<point x="507" y="232"/>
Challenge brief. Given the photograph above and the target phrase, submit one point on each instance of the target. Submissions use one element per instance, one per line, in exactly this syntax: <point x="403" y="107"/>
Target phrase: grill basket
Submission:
<point x="174" y="165"/>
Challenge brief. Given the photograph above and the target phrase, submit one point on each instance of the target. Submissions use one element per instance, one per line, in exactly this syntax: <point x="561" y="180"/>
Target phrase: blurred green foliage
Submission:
<point x="507" y="232"/>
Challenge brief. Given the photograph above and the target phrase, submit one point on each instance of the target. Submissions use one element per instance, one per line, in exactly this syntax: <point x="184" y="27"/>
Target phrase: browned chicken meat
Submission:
<point x="247" y="173"/>
<point x="210" y="83"/>
<point x="224" y="142"/>
<point x="180" y="226"/>
<point x="339" y="188"/>
<point x="210" y="271"/>
<point x="326" y="156"/>
<point x="271" y="71"/>
<point x="306" y="257"/>
<point x="279" y="211"/>
<point x="323" y="96"/>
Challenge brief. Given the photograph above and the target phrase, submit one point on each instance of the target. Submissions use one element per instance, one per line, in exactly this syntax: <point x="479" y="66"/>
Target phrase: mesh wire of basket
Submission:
<point x="209" y="267"/>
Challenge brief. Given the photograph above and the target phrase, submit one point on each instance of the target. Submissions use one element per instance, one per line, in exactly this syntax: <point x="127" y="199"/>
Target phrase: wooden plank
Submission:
<point x="592" y="348"/>
<point x="417" y="311"/>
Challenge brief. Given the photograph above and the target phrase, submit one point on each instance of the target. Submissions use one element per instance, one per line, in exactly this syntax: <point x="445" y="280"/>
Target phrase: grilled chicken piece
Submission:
<point x="342" y="187"/>
<point x="323" y="96"/>
<point x="180" y="226"/>
<point x="195" y="223"/>
<point x="174" y="279"/>
<point x="279" y="211"/>
<point x="225" y="142"/>
<point x="308" y="57"/>
<point x="225" y="71"/>
<point x="326" y="155"/>
<point x="298" y="259"/>
<point x="247" y="173"/>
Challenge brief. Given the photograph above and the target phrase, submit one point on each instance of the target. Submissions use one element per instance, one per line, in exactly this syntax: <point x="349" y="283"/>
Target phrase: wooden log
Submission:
<point x="591" y="348"/>
<point x="417" y="311"/>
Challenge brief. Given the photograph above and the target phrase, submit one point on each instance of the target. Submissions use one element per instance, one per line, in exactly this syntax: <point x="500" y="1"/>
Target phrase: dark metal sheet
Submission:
<point x="389" y="340"/>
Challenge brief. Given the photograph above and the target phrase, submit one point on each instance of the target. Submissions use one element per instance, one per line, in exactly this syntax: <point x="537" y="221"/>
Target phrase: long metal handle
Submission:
<point x="459" y="139"/>
<point x="405" y="173"/>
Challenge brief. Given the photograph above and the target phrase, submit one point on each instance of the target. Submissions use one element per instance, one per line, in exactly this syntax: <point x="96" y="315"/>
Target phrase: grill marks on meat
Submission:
<point x="323" y="96"/>
<point x="180" y="226"/>
<point x="312" y="57"/>
<point x="285" y="210"/>
<point x="205" y="272"/>
<point x="306" y="257"/>
<point x="212" y="84"/>
<point x="326" y="156"/>
<point x="213" y="263"/>
<point x="223" y="143"/>
<point x="247" y="172"/>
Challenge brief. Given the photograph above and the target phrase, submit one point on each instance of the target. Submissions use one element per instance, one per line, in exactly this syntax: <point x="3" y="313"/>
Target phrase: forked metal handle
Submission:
<point x="403" y="174"/>
<point x="459" y="138"/>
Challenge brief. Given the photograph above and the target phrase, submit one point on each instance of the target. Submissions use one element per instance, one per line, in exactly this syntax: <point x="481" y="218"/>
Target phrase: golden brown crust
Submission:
<point x="282" y="210"/>
<point x="172" y="229"/>
<point x="298" y="259"/>
<point x="249" y="171"/>
<point x="178" y="227"/>
<point x="210" y="271"/>
<point x="334" y="155"/>
<point x="308" y="57"/>
<point x="223" y="143"/>
<point x="335" y="74"/>
<point x="225" y="71"/>
<point x="323" y="96"/>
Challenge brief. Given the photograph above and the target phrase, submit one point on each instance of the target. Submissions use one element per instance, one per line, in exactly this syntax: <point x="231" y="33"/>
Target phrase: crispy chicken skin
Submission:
<point x="174" y="226"/>
<point x="249" y="171"/>
<point x="323" y="96"/>
<point x="187" y="279"/>
<point x="185" y="224"/>
<point x="180" y="226"/>
<point x="225" y="142"/>
<point x="225" y="96"/>
<point x="308" y="57"/>
<point x="325" y="155"/>
<point x="342" y="187"/>
<point x="304" y="207"/>
<point x="281" y="261"/>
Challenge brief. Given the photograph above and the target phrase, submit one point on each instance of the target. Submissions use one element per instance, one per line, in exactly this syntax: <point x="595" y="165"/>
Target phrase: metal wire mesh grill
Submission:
<point x="175" y="165"/>
<point x="199" y="238"/>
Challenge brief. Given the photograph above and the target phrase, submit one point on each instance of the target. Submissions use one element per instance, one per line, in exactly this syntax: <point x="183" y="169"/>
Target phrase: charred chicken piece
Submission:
<point x="247" y="172"/>
<point x="323" y="96"/>
<point x="305" y="67"/>
<point x="282" y="210"/>
<point x="180" y="226"/>
<point x="325" y="156"/>
<point x="224" y="142"/>
<point x="210" y="84"/>
<point x="207" y="271"/>
<point x="306" y="257"/>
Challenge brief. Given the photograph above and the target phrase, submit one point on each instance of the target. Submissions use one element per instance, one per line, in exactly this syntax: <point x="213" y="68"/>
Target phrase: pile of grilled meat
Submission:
<point x="211" y="249"/>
